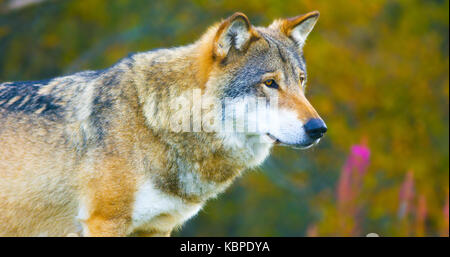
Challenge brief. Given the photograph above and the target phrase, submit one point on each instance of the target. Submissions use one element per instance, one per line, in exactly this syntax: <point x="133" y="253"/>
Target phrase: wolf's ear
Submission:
<point x="299" y="27"/>
<point x="234" y="32"/>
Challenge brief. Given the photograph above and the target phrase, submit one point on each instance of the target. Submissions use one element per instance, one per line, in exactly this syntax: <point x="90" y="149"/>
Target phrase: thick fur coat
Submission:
<point x="93" y="154"/>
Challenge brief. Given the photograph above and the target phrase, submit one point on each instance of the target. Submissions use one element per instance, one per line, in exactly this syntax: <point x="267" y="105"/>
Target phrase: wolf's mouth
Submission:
<point x="275" y="140"/>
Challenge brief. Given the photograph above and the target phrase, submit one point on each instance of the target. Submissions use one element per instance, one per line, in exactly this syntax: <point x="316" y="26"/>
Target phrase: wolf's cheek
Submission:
<point x="285" y="127"/>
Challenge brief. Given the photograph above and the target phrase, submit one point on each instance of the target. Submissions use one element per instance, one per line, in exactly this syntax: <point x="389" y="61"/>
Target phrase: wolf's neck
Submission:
<point x="201" y="164"/>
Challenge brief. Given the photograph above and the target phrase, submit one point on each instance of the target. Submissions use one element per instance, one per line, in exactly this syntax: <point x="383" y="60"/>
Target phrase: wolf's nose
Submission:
<point x="315" y="128"/>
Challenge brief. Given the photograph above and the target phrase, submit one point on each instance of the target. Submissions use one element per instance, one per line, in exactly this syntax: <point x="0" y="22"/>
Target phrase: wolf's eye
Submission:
<point x="271" y="83"/>
<point x="302" y="79"/>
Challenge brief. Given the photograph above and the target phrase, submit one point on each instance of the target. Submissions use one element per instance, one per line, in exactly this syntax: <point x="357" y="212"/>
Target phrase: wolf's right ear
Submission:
<point x="235" y="32"/>
<point x="299" y="27"/>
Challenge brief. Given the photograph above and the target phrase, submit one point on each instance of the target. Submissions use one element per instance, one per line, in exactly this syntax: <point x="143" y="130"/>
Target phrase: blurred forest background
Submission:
<point x="378" y="75"/>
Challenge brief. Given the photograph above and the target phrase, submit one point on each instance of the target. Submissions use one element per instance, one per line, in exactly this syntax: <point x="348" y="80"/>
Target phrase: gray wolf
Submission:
<point x="93" y="154"/>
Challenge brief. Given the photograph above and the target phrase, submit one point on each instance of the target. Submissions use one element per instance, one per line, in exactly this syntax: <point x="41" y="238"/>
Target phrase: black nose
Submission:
<point x="315" y="128"/>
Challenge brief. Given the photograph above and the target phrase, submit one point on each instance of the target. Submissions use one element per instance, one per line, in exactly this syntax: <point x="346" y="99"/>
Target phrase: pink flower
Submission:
<point x="406" y="195"/>
<point x="312" y="231"/>
<point x="445" y="212"/>
<point x="349" y="187"/>
<point x="344" y="187"/>
<point x="355" y="167"/>
<point x="421" y="215"/>
<point x="358" y="159"/>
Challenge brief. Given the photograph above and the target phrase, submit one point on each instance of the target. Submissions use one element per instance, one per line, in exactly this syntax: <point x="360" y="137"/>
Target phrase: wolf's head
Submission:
<point x="249" y="62"/>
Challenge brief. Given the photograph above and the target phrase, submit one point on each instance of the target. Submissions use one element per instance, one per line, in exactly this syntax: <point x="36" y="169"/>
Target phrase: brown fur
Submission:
<point x="97" y="140"/>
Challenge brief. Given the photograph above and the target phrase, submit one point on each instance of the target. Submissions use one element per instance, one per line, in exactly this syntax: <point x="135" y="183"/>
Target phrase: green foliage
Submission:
<point x="379" y="72"/>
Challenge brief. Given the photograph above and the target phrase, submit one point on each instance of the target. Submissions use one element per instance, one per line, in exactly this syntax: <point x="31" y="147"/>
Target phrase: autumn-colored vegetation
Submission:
<point x="378" y="75"/>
